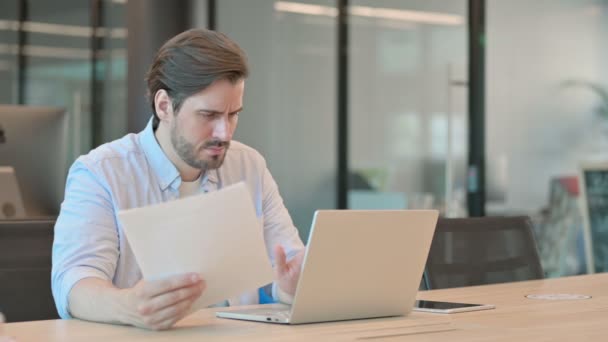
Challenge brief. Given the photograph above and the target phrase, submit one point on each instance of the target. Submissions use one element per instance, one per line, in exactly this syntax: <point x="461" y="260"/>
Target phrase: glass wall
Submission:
<point x="407" y="105"/>
<point x="407" y="100"/>
<point x="290" y="97"/>
<point x="546" y="70"/>
<point x="112" y="70"/>
<point x="48" y="58"/>
<point x="58" y="64"/>
<point x="9" y="14"/>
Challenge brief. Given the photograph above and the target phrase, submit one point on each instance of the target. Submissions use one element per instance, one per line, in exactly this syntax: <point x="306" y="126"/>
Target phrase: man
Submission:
<point x="195" y="88"/>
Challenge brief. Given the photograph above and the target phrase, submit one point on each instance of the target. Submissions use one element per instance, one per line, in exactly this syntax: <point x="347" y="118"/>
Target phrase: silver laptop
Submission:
<point x="358" y="264"/>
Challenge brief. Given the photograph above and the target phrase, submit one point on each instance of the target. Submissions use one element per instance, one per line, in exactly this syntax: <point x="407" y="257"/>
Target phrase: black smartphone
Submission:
<point x="448" y="307"/>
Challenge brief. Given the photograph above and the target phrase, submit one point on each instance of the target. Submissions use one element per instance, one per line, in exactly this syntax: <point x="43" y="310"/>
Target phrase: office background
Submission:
<point x="359" y="104"/>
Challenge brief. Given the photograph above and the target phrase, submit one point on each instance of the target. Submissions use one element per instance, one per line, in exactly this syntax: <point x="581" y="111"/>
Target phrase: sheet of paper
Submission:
<point x="216" y="234"/>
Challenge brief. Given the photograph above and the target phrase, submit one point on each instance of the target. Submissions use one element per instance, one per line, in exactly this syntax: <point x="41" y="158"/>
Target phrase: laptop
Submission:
<point x="358" y="264"/>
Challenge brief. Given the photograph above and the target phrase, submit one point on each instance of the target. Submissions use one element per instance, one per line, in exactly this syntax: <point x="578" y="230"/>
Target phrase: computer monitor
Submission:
<point x="34" y="142"/>
<point x="11" y="204"/>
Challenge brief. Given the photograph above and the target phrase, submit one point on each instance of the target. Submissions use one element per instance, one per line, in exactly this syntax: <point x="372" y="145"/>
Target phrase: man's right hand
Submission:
<point x="159" y="304"/>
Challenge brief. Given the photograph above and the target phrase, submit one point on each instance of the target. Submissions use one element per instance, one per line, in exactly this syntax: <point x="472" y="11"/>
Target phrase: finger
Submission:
<point x="166" y="317"/>
<point x="280" y="259"/>
<point x="297" y="260"/>
<point x="158" y="287"/>
<point x="295" y="264"/>
<point x="168" y="299"/>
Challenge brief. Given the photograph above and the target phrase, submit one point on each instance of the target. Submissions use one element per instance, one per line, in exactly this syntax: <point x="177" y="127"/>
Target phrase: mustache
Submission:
<point x="216" y="143"/>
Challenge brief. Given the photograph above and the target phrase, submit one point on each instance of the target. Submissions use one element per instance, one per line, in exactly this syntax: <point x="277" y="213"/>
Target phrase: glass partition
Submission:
<point x="9" y="37"/>
<point x="547" y="94"/>
<point x="290" y="97"/>
<point x="407" y="105"/>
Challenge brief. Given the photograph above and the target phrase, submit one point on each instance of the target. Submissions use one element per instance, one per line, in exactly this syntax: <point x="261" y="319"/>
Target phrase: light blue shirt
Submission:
<point x="134" y="172"/>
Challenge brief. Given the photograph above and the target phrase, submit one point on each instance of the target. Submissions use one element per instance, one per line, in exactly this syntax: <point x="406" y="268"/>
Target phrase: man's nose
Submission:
<point x="221" y="129"/>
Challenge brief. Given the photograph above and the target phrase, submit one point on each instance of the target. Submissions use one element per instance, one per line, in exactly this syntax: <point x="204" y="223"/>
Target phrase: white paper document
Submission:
<point x="216" y="234"/>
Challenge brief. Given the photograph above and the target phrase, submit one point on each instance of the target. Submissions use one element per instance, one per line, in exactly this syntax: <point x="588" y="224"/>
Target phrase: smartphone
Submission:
<point x="448" y="307"/>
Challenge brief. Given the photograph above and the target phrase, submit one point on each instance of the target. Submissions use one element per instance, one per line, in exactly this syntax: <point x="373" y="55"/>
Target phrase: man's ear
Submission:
<point x="163" y="105"/>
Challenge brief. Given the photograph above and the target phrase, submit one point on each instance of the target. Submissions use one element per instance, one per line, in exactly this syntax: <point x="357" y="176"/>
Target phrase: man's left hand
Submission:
<point x="287" y="273"/>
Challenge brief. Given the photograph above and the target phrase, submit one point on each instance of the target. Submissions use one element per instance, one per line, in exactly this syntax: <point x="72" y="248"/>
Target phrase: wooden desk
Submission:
<point x="515" y="318"/>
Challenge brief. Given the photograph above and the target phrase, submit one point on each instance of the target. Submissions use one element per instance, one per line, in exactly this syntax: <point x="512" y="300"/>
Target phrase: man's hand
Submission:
<point x="159" y="304"/>
<point x="287" y="273"/>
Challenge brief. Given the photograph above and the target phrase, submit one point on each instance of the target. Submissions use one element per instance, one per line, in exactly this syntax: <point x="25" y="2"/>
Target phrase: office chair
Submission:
<point x="482" y="250"/>
<point x="25" y="270"/>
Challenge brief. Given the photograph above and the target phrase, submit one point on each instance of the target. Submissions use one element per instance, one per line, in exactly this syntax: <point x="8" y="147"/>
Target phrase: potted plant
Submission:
<point x="602" y="92"/>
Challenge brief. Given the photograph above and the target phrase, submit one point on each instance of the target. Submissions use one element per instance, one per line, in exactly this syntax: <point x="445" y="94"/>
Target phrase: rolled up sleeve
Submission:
<point x="278" y="227"/>
<point x="86" y="238"/>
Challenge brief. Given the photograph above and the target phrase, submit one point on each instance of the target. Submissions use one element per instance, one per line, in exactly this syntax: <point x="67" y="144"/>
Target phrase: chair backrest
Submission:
<point x="482" y="250"/>
<point x="25" y="270"/>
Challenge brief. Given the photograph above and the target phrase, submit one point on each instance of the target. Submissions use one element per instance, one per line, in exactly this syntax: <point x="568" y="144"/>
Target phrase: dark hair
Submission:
<point x="191" y="61"/>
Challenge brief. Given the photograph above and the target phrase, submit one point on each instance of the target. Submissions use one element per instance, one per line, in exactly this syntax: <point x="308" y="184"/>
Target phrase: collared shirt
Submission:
<point x="134" y="172"/>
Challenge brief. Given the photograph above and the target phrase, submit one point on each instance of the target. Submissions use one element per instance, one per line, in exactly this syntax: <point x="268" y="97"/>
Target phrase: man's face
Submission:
<point x="202" y="129"/>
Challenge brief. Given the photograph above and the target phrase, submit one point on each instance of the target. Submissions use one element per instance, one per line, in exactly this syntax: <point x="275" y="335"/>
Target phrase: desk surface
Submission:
<point x="515" y="318"/>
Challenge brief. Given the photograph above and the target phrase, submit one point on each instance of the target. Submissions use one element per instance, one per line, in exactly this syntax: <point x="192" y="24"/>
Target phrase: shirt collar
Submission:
<point x="210" y="176"/>
<point x="164" y="169"/>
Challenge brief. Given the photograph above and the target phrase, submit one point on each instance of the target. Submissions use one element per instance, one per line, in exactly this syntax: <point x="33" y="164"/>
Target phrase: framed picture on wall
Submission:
<point x="594" y="204"/>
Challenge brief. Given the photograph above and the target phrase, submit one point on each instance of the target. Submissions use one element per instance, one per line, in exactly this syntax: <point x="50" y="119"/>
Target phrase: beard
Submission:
<point x="191" y="154"/>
